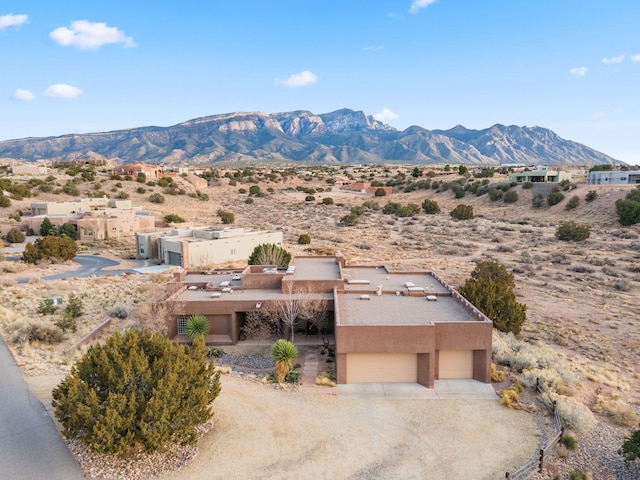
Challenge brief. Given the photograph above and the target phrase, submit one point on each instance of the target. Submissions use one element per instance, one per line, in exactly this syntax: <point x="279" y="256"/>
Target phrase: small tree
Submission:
<point x="75" y="307"/>
<point x="572" y="203"/>
<point x="511" y="196"/>
<point x="490" y="289"/>
<point x="69" y="231"/>
<point x="226" y="217"/>
<point x="47" y="307"/>
<point x="629" y="208"/>
<point x="137" y="390"/>
<point x="156" y="198"/>
<point x="57" y="249"/>
<point x="591" y="196"/>
<point x="554" y="198"/>
<point x="380" y="192"/>
<point x="197" y="326"/>
<point x="31" y="254"/>
<point x="47" y="227"/>
<point x="284" y="354"/>
<point x="304" y="239"/>
<point x="66" y="322"/>
<point x="270" y="254"/>
<point x="569" y="231"/>
<point x="14" y="236"/>
<point x="141" y="177"/>
<point x="173" y="218"/>
<point x="462" y="212"/>
<point x="430" y="206"/>
<point x="630" y="448"/>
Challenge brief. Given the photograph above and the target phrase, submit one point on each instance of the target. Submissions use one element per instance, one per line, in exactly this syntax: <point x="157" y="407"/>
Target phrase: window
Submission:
<point x="182" y="325"/>
<point x="233" y="251"/>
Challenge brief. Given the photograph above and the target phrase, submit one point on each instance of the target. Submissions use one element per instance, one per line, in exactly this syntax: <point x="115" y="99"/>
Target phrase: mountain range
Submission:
<point x="343" y="137"/>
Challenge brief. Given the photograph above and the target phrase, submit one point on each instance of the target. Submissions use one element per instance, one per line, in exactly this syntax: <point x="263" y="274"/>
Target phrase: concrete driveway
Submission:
<point x="443" y="390"/>
<point x="30" y="445"/>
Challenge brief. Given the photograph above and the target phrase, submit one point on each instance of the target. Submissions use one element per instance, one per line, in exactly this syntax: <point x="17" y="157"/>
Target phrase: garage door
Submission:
<point x="382" y="367"/>
<point x="175" y="258"/>
<point x="455" y="364"/>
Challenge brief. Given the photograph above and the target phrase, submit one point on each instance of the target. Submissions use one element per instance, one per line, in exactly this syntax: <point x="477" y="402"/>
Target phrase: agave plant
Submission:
<point x="284" y="353"/>
<point x="197" y="326"/>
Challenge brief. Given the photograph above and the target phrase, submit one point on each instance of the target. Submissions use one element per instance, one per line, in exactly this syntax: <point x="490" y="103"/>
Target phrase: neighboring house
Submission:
<point x="611" y="177"/>
<point x="77" y="206"/>
<point x="133" y="169"/>
<point x="543" y="175"/>
<point x="365" y="187"/>
<point x="101" y="224"/>
<point x="202" y="247"/>
<point x="28" y="169"/>
<point x="388" y="326"/>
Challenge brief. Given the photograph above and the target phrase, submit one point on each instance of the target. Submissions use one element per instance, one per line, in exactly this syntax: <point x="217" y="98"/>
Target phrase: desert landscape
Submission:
<point x="581" y="331"/>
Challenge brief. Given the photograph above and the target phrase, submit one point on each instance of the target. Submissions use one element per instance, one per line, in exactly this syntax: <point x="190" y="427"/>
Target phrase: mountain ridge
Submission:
<point x="344" y="137"/>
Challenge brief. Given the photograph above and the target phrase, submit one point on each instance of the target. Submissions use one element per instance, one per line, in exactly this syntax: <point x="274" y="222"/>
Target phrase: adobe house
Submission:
<point x="614" y="177"/>
<point x="78" y="205"/>
<point x="542" y="175"/>
<point x="200" y="247"/>
<point x="388" y="326"/>
<point x="133" y="169"/>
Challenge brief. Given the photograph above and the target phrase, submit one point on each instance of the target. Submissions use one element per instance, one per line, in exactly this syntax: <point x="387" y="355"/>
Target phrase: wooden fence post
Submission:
<point x="507" y="475"/>
<point x="541" y="464"/>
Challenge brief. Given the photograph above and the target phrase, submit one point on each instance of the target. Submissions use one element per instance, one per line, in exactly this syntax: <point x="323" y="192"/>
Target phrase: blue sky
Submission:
<point x="80" y="66"/>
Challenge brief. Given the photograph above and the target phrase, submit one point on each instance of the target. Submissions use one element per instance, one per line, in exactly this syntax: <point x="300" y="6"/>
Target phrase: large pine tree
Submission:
<point x="138" y="389"/>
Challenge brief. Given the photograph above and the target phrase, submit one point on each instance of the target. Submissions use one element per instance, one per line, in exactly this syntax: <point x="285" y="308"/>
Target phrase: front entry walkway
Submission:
<point x="443" y="390"/>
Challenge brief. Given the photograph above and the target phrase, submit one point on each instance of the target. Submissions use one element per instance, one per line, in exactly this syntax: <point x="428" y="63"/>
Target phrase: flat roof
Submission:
<point x="316" y="268"/>
<point x="391" y="309"/>
<point x="388" y="280"/>
<point x="239" y="295"/>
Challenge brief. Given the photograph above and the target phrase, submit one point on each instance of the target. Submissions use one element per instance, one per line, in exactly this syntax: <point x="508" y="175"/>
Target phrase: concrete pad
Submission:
<point x="463" y="389"/>
<point x="361" y="391"/>
<point x="408" y="391"/>
<point x="152" y="269"/>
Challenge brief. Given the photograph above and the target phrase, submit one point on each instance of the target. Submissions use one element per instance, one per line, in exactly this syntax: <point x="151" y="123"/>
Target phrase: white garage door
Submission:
<point x="382" y="367"/>
<point x="455" y="364"/>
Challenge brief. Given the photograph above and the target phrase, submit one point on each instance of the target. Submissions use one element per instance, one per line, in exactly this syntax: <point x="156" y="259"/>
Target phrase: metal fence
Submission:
<point x="536" y="464"/>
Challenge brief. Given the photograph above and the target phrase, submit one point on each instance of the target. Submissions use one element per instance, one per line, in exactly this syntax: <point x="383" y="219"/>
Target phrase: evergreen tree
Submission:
<point x="47" y="227"/>
<point x="630" y="449"/>
<point x="490" y="289"/>
<point x="137" y="390"/>
<point x="270" y="254"/>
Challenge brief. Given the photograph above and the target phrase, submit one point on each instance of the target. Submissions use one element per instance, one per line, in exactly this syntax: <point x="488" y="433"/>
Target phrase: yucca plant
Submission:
<point x="197" y="326"/>
<point x="284" y="353"/>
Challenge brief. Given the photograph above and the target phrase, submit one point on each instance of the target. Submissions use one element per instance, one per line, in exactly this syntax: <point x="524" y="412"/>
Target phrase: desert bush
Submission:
<point x="173" y="218"/>
<point x="630" y="449"/>
<point x="47" y="228"/>
<point x="577" y="474"/>
<point x="538" y="200"/>
<point x="497" y="376"/>
<point x="260" y="325"/>
<point x="349" y="220"/>
<point x="304" y="239"/>
<point x="22" y="331"/>
<point x="47" y="307"/>
<point x="527" y="185"/>
<point x="462" y="212"/>
<point x="511" y="196"/>
<point x="284" y="354"/>
<point x="249" y="201"/>
<point x="574" y="414"/>
<point x="495" y="194"/>
<point x="569" y="441"/>
<point x="554" y="198"/>
<point x="197" y="327"/>
<point x="629" y="209"/>
<point x="69" y="231"/>
<point x="156" y="198"/>
<point x="139" y="390"/>
<point x="309" y="198"/>
<point x="509" y="396"/>
<point x="141" y="190"/>
<point x="430" y="206"/>
<point x="327" y="201"/>
<point x="591" y="196"/>
<point x="14" y="236"/>
<point x="572" y="203"/>
<point x="50" y="248"/>
<point x="226" y="217"/>
<point x="66" y="322"/>
<point x="380" y="192"/>
<point x="119" y="310"/>
<point x="620" y="412"/>
<point x="254" y="190"/>
<point x="571" y="231"/>
<point x="4" y="201"/>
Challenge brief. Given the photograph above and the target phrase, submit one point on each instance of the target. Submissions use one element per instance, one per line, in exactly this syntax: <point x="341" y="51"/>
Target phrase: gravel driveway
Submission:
<point x="261" y="433"/>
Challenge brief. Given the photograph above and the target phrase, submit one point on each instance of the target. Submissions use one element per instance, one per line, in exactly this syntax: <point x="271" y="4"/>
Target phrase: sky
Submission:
<point x="572" y="66"/>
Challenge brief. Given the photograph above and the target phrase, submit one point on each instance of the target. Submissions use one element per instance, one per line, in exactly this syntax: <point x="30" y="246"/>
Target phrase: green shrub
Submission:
<point x="156" y="198"/>
<point x="68" y="230"/>
<point x="569" y="441"/>
<point x="538" y="200"/>
<point x="349" y="220"/>
<point x="511" y="196"/>
<point x="242" y="190"/>
<point x="173" y="218"/>
<point x="327" y="201"/>
<point x="75" y="307"/>
<point x="294" y="376"/>
<point x="141" y="190"/>
<point x="380" y="192"/>
<point x="527" y="185"/>
<point x="141" y="177"/>
<point x="67" y="322"/>
<point x="554" y="198"/>
<point x="138" y="390"/>
<point x="50" y="248"/>
<point x="571" y="231"/>
<point x="47" y="307"/>
<point x="309" y="198"/>
<point x="197" y="326"/>
<point x="430" y="206"/>
<point x="249" y="201"/>
<point x="462" y="212"/>
<point x="630" y="449"/>
<point x="119" y="310"/>
<point x="254" y="190"/>
<point x="71" y="189"/>
<point x="304" y="239"/>
<point x="4" y="201"/>
<point x="629" y="208"/>
<point x="572" y="203"/>
<point x="495" y="194"/>
<point x="47" y="228"/>
<point x="591" y="196"/>
<point x="226" y="217"/>
<point x="284" y="354"/>
<point x="14" y="236"/>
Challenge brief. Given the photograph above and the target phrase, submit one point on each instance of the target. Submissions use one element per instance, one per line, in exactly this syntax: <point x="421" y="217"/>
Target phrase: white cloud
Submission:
<point x="578" y="71"/>
<point x="386" y="115"/>
<point x="299" y="79"/>
<point x="635" y="58"/>
<point x="618" y="59"/>
<point x="24" y="95"/>
<point x="370" y="49"/>
<point x="613" y="113"/>
<point x="85" y="34"/>
<point x="11" y="20"/>
<point x="63" y="90"/>
<point x="417" y="5"/>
